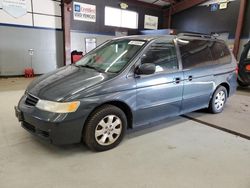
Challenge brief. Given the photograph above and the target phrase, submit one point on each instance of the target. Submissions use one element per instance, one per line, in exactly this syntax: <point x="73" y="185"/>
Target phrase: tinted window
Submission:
<point x="163" y="55"/>
<point x="220" y="53"/>
<point x="195" y="53"/>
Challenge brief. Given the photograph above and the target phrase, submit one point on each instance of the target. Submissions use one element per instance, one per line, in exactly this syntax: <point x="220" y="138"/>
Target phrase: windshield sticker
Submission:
<point x="137" y="43"/>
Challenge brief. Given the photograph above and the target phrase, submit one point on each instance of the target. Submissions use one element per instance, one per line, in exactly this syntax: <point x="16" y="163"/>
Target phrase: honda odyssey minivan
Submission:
<point x="125" y="83"/>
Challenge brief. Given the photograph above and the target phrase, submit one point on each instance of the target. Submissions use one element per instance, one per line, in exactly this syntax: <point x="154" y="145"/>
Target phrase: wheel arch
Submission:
<point x="123" y="106"/>
<point x="211" y="107"/>
<point x="227" y="86"/>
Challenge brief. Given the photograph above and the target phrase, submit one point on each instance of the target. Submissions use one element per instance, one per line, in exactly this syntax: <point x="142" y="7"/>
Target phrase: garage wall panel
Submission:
<point x="25" y="20"/>
<point x="14" y="50"/>
<point x="40" y="29"/>
<point x="47" y="21"/>
<point x="28" y="5"/>
<point x="202" y="19"/>
<point x="38" y="12"/>
<point x="99" y="26"/>
<point x="246" y="26"/>
<point x="78" y="40"/>
<point x="47" y="7"/>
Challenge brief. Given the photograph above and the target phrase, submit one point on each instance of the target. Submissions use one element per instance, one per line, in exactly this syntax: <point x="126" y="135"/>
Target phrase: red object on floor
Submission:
<point x="76" y="56"/>
<point x="28" y="72"/>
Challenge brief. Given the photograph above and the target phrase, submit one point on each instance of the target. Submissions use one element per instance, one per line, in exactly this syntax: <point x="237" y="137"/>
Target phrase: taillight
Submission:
<point x="248" y="67"/>
<point x="237" y="69"/>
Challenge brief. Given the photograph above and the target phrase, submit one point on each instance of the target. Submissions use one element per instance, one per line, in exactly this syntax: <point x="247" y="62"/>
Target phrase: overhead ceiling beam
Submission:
<point x="141" y="3"/>
<point x="170" y="1"/>
<point x="185" y="4"/>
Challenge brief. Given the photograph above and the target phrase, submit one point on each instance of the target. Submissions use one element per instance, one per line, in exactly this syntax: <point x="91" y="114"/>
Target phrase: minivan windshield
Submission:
<point x="113" y="56"/>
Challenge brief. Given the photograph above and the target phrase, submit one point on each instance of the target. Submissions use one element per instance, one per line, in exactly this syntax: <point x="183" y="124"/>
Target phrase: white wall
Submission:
<point x="40" y="13"/>
<point x="78" y="40"/>
<point x="40" y="30"/>
<point x="14" y="50"/>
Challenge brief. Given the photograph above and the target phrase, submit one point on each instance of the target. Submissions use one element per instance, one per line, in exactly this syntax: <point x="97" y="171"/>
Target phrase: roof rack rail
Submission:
<point x="197" y="35"/>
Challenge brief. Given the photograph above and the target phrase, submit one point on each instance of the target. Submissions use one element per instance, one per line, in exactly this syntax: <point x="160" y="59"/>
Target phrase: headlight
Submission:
<point x="58" y="107"/>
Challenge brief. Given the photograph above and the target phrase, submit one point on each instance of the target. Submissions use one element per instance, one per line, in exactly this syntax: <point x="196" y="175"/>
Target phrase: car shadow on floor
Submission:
<point x="243" y="90"/>
<point x="69" y="150"/>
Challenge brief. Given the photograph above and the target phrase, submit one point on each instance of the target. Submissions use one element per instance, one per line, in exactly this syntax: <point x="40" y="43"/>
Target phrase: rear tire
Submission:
<point x="218" y="100"/>
<point x="105" y="128"/>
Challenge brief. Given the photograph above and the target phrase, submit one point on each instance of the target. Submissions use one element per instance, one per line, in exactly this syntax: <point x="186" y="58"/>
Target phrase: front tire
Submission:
<point x="105" y="128"/>
<point x="218" y="100"/>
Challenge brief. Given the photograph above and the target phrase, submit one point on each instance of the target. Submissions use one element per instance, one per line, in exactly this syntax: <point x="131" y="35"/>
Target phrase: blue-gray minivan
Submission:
<point x="125" y="83"/>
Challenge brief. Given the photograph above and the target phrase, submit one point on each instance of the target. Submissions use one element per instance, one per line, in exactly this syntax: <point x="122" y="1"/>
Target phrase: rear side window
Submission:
<point x="163" y="55"/>
<point x="195" y="53"/>
<point x="221" y="53"/>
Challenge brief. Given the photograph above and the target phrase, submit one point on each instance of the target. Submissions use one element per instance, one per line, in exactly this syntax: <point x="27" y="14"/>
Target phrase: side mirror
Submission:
<point x="147" y="68"/>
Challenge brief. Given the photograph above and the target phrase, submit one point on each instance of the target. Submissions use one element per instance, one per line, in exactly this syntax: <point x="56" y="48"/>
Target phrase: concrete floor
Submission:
<point x="177" y="153"/>
<point x="235" y="116"/>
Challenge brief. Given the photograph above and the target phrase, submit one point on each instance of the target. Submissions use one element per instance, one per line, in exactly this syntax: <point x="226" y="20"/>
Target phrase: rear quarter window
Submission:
<point x="220" y="52"/>
<point x="195" y="53"/>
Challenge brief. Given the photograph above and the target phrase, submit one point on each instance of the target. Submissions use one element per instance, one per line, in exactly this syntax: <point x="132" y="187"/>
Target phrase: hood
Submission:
<point x="65" y="82"/>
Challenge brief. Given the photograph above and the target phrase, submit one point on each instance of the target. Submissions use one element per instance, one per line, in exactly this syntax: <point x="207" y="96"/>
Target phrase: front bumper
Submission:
<point x="58" y="129"/>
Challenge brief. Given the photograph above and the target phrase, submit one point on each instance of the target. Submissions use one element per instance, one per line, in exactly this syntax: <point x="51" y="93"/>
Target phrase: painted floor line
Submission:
<point x="218" y="127"/>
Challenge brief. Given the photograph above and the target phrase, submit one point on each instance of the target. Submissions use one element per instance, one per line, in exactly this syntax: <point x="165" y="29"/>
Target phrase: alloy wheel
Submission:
<point x="108" y="130"/>
<point x="219" y="100"/>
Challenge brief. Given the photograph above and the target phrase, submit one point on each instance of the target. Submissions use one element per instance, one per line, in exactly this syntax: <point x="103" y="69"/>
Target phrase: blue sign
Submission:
<point x="214" y="7"/>
<point x="77" y="8"/>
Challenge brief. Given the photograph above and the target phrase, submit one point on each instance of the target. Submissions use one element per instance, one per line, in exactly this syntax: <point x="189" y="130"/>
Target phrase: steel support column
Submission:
<point x="167" y="18"/>
<point x="66" y="31"/>
<point x="239" y="27"/>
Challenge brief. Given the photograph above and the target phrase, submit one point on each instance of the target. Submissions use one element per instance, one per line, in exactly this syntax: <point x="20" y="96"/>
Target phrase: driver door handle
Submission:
<point x="177" y="80"/>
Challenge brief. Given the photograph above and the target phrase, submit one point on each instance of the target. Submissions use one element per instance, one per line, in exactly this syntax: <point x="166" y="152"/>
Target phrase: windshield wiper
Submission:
<point x="91" y="67"/>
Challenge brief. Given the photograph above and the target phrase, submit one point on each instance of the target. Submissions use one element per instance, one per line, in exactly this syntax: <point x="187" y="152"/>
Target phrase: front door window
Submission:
<point x="163" y="55"/>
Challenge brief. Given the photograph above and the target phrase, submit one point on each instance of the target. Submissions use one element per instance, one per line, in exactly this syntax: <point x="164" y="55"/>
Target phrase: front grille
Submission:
<point x="33" y="129"/>
<point x="29" y="126"/>
<point x="31" y="100"/>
